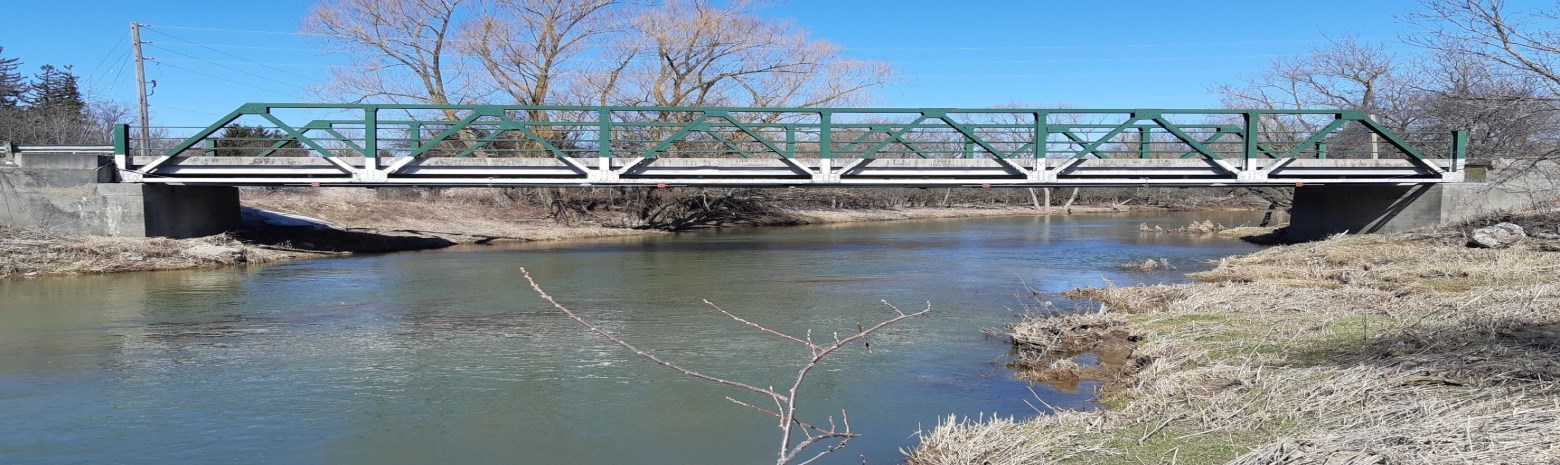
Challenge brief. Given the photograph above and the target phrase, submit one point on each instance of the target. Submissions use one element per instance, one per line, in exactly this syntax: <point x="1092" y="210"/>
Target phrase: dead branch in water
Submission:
<point x="796" y="436"/>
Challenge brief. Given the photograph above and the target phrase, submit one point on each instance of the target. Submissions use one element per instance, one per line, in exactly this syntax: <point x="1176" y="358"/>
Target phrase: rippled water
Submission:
<point x="447" y="356"/>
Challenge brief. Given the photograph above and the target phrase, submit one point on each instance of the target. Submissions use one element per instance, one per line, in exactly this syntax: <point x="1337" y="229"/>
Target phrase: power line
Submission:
<point x="1099" y="46"/>
<point x="964" y="76"/>
<point x="256" y="47"/>
<point x="966" y="48"/>
<point x="245" y="84"/>
<point x="219" y="29"/>
<point x="261" y="76"/>
<point x="98" y="69"/>
<point x="307" y="65"/>
<point x="945" y="62"/>
<point x="124" y="63"/>
<point x="186" y="110"/>
<point x="231" y="55"/>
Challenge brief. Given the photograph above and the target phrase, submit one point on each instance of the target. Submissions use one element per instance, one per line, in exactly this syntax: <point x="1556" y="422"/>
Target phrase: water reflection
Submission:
<point x="448" y="356"/>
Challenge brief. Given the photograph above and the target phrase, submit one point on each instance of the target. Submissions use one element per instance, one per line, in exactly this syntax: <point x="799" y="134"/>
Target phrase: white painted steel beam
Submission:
<point x="1060" y="172"/>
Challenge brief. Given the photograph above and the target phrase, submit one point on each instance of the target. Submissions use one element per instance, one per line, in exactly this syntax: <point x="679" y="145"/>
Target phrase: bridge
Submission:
<point x="1350" y="172"/>
<point x="495" y="145"/>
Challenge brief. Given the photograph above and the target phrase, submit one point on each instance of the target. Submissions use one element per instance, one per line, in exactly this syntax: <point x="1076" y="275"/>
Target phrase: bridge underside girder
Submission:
<point x="878" y="172"/>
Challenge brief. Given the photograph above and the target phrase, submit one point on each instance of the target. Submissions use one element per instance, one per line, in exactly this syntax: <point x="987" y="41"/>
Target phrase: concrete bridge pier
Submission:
<point x="1323" y="210"/>
<point x="77" y="193"/>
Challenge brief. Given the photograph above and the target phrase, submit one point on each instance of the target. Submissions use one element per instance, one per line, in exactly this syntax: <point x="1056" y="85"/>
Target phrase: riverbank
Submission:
<point x="477" y="222"/>
<point x="1357" y="349"/>
<point x="290" y="227"/>
<point x="30" y="253"/>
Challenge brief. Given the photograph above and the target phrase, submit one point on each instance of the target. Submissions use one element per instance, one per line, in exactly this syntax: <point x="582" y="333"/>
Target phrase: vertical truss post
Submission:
<point x="790" y="140"/>
<point x="603" y="144"/>
<point x="1042" y="135"/>
<point x="371" y="138"/>
<point x="826" y="134"/>
<point x="1042" y="172"/>
<point x="1321" y="150"/>
<point x="1459" y="150"/>
<point x="1143" y="152"/>
<point x="1375" y="141"/>
<point x="1253" y="120"/>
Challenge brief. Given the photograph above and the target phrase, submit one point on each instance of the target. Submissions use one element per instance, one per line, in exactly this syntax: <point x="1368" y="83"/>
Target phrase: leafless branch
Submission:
<point x="796" y="436"/>
<point x="625" y="344"/>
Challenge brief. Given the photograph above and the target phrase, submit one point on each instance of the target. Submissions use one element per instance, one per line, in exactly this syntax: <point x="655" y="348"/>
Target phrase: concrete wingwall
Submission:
<point x="1323" y="210"/>
<point x="76" y="193"/>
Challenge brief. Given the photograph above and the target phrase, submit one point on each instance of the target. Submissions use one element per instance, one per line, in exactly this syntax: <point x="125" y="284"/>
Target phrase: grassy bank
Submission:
<point x="28" y="253"/>
<point x="1359" y="349"/>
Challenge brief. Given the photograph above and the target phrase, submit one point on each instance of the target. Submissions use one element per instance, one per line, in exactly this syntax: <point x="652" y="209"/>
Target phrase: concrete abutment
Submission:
<point x="1323" y="210"/>
<point x="76" y="193"/>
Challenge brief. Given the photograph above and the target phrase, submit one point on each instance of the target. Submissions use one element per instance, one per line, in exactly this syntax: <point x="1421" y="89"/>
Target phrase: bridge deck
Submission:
<point x="1060" y="172"/>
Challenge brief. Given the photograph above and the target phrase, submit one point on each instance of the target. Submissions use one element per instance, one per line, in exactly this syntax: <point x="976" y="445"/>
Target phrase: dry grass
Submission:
<point x="810" y="216"/>
<point x="1048" y="347"/>
<point x="1359" y="349"/>
<point x="460" y="216"/>
<point x="483" y="215"/>
<point x="1427" y="262"/>
<point x="25" y="253"/>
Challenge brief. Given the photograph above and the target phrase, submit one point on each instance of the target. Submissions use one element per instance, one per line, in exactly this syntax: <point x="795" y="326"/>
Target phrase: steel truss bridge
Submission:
<point x="501" y="145"/>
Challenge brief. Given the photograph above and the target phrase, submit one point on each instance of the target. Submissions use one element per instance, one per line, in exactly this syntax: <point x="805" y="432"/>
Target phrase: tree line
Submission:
<point x="1483" y="66"/>
<point x="48" y="108"/>
<point x="584" y="52"/>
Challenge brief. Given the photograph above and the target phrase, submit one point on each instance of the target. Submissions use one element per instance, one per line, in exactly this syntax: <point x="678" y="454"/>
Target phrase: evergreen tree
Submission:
<point x="55" y="90"/>
<point x="12" y="84"/>
<point x="241" y="140"/>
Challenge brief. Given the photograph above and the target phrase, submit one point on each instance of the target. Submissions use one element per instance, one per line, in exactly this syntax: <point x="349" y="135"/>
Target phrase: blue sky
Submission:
<point x="1121" y="53"/>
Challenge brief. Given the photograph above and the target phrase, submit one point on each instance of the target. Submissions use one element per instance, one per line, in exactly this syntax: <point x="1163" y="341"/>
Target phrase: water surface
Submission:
<point x="448" y="357"/>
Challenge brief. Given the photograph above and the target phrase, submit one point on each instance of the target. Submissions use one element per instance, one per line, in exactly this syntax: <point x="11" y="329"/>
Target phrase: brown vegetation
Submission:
<point x="36" y="253"/>
<point x="493" y="215"/>
<point x="1358" y="349"/>
<point x="1046" y="349"/>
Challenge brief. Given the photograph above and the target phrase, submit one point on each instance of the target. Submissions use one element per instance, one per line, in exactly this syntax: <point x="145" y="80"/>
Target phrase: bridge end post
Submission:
<point x="122" y="146"/>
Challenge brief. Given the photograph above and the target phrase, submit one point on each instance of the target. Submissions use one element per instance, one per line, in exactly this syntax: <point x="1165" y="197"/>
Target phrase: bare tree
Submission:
<point x="797" y="438"/>
<point x="1345" y="74"/>
<point x="1494" y="74"/>
<point x="1491" y="32"/>
<point x="535" y="51"/>
<point x="1507" y="115"/>
<point x="698" y="53"/>
<point x="405" y="50"/>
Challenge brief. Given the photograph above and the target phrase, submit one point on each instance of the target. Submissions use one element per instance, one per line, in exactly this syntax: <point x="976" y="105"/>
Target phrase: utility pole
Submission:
<point x="140" y="82"/>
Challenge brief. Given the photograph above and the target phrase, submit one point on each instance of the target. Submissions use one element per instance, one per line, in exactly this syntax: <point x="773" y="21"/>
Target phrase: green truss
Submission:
<point x="651" y="132"/>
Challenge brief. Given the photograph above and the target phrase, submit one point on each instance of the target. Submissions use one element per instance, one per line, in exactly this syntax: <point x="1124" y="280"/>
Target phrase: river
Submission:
<point x="448" y="357"/>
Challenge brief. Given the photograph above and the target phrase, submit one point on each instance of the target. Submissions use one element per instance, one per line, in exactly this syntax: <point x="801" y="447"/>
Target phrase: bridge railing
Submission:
<point x="270" y="129"/>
